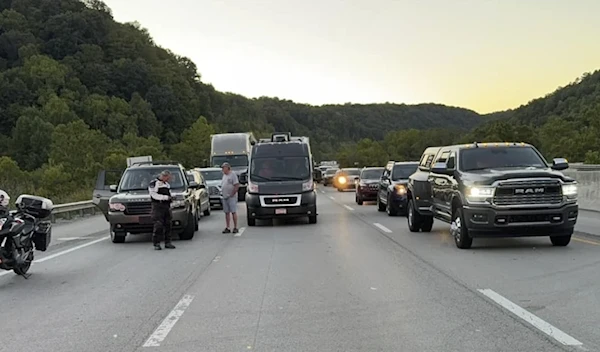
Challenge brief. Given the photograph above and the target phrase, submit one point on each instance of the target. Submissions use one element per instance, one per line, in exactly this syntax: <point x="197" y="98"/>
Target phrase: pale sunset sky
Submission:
<point x="485" y="55"/>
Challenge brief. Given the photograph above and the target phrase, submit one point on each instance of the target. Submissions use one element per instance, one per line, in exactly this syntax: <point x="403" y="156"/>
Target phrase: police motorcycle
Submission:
<point x="22" y="230"/>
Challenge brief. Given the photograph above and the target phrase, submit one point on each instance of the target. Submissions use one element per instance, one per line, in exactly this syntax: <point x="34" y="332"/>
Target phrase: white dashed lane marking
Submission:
<point x="382" y="228"/>
<point x="161" y="332"/>
<point x="530" y="318"/>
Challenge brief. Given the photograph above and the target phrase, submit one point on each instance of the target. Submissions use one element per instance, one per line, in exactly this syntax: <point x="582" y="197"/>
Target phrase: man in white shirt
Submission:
<point x="229" y="188"/>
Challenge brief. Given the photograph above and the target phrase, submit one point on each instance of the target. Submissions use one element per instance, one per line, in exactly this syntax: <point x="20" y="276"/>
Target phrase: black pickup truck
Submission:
<point x="492" y="190"/>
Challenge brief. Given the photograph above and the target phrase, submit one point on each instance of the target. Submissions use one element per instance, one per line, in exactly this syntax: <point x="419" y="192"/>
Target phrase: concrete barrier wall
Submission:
<point x="589" y="186"/>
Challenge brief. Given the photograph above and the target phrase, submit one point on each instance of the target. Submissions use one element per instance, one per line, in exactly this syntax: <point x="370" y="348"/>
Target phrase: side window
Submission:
<point x="451" y="163"/>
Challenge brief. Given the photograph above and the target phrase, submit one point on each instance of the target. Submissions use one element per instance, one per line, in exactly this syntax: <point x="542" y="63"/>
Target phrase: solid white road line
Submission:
<point x="240" y="232"/>
<point x="161" y="332"/>
<point x="382" y="228"/>
<point x="52" y="256"/>
<point x="348" y="207"/>
<point x="543" y="326"/>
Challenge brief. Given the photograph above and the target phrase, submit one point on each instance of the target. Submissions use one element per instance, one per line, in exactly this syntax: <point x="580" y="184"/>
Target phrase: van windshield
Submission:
<point x="280" y="169"/>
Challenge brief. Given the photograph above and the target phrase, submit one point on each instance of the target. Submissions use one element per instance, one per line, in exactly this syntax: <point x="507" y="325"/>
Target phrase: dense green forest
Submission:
<point x="80" y="92"/>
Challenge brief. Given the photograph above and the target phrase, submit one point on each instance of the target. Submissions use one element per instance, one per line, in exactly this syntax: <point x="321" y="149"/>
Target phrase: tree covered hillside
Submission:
<point x="80" y="92"/>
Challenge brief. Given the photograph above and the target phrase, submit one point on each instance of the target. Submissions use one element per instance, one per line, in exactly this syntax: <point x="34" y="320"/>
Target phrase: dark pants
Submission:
<point x="161" y="215"/>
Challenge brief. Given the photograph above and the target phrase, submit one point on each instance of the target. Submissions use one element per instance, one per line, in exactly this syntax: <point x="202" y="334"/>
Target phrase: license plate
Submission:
<point x="280" y="211"/>
<point x="145" y="220"/>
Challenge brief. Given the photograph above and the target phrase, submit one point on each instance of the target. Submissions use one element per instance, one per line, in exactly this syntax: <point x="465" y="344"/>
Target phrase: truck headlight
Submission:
<point x="479" y="194"/>
<point x="178" y="204"/>
<point x="569" y="190"/>
<point x="116" y="207"/>
<point x="252" y="188"/>
<point x="308" y="186"/>
<point x="400" y="189"/>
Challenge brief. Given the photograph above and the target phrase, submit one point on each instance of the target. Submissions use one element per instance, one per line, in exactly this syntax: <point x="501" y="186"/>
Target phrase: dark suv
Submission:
<point x="493" y="190"/>
<point x="368" y="184"/>
<point x="391" y="195"/>
<point x="127" y="205"/>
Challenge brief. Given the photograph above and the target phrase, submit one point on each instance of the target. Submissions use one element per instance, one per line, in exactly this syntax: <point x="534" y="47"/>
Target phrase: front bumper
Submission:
<point x="216" y="201"/>
<point x="495" y="222"/>
<point x="347" y="185"/>
<point x="307" y="207"/>
<point x="367" y="193"/>
<point x="137" y="224"/>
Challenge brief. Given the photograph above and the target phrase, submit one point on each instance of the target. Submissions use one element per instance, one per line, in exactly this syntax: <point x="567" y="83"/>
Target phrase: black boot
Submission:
<point x="157" y="246"/>
<point x="169" y="245"/>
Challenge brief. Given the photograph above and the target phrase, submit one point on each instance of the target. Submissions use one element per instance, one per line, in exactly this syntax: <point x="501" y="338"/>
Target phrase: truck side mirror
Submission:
<point x="560" y="164"/>
<point x="113" y="188"/>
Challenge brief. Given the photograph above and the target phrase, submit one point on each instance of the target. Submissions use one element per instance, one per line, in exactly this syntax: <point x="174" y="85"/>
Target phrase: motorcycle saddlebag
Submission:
<point x="42" y="236"/>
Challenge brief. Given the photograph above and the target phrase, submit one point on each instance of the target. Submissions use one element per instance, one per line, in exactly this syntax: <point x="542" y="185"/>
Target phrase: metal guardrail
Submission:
<point x="68" y="209"/>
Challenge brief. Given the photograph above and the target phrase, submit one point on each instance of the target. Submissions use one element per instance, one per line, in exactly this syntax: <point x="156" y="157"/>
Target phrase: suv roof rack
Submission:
<point x="157" y="162"/>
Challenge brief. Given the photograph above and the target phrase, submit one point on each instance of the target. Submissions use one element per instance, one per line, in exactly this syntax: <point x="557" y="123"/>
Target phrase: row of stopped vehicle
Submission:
<point x="492" y="190"/>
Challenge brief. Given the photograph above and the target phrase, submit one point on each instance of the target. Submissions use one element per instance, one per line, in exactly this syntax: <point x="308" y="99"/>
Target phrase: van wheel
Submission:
<point x="312" y="219"/>
<point x="117" y="236"/>
<point x="189" y="231"/>
<point x="459" y="230"/>
<point x="251" y="221"/>
<point x="560" y="241"/>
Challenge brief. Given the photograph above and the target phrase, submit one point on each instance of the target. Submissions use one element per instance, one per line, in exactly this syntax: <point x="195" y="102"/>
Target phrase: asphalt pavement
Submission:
<point x="357" y="280"/>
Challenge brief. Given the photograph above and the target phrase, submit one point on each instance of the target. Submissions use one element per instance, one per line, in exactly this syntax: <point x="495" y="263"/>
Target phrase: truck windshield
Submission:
<point x="138" y="179"/>
<point x="371" y="174"/>
<point x="280" y="169"/>
<point x="403" y="171"/>
<point x="233" y="160"/>
<point x="499" y="157"/>
<point x="212" y="175"/>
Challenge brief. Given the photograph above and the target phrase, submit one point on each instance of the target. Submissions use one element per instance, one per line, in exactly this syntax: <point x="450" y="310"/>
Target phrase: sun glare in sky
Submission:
<point x="486" y="55"/>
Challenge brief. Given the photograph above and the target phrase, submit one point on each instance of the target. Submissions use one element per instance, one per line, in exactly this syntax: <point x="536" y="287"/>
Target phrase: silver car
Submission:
<point x="212" y="178"/>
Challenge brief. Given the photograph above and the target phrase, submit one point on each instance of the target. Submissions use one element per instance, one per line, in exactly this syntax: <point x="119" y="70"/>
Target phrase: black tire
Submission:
<point x="188" y="232"/>
<point x="560" y="241"/>
<point x="23" y="269"/>
<point x="340" y="190"/>
<point x="380" y="206"/>
<point x="427" y="223"/>
<point x="118" y="237"/>
<point x="196" y="220"/>
<point x="390" y="209"/>
<point x="359" y="199"/>
<point x="459" y="231"/>
<point x="413" y="218"/>
<point x="241" y="196"/>
<point x="312" y="219"/>
<point x="207" y="211"/>
<point x="251" y="221"/>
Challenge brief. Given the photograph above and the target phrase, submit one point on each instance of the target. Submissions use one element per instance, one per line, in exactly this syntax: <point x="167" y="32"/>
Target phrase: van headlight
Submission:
<point x="308" y="186"/>
<point x="480" y="194"/>
<point x="569" y="190"/>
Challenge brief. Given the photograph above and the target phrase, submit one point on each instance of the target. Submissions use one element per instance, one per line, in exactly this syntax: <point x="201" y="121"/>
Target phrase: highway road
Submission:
<point x="356" y="281"/>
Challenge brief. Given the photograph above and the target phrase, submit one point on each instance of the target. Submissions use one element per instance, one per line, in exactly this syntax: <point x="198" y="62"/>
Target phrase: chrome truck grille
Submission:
<point x="528" y="192"/>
